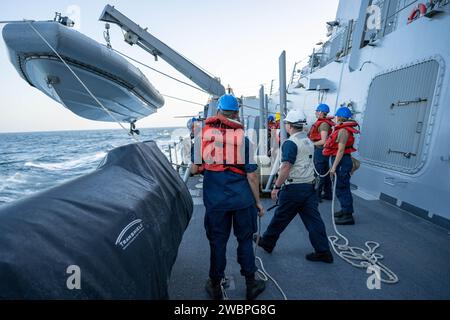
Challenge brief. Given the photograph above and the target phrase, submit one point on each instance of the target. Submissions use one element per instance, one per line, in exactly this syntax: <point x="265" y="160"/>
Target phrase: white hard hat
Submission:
<point x="295" y="117"/>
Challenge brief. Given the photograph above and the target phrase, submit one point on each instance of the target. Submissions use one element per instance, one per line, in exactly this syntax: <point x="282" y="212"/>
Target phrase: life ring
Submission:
<point x="417" y="12"/>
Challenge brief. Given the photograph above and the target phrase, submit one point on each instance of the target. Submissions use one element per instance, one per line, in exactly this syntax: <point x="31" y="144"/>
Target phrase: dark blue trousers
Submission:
<point x="218" y="228"/>
<point x="322" y="164"/>
<point x="343" y="191"/>
<point x="298" y="199"/>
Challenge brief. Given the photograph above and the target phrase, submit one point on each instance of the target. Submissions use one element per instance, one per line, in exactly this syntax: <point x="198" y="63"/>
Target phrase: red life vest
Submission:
<point x="222" y="139"/>
<point x="331" y="146"/>
<point x="274" y="125"/>
<point x="314" y="134"/>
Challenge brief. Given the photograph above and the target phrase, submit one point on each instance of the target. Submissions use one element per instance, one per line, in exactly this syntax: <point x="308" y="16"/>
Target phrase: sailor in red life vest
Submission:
<point x="230" y="195"/>
<point x="272" y="125"/>
<point x="273" y="132"/>
<point x="339" y="147"/>
<point x="319" y="133"/>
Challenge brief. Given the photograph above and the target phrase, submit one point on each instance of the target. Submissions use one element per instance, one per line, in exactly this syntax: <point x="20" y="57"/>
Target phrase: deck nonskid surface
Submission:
<point x="416" y="250"/>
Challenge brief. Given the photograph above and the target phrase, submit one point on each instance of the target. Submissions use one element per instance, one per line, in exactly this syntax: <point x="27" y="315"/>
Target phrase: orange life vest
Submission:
<point x="331" y="146"/>
<point x="222" y="140"/>
<point x="274" y="125"/>
<point x="314" y="134"/>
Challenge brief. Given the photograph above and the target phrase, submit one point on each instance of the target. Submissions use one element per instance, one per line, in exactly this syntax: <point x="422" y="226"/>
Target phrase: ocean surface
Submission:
<point x="33" y="162"/>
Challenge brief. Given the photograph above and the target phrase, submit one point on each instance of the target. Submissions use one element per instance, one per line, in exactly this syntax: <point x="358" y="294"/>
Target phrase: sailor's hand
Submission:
<point x="332" y="172"/>
<point x="275" y="195"/>
<point x="260" y="208"/>
<point x="194" y="170"/>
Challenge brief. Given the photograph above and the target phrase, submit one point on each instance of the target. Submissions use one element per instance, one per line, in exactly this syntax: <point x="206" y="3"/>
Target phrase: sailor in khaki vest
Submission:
<point x="295" y="189"/>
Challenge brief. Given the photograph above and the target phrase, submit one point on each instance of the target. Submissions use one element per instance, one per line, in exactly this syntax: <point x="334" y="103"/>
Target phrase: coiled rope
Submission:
<point x="358" y="257"/>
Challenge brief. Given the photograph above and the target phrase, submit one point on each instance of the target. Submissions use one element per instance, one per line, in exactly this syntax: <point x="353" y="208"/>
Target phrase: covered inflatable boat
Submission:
<point x="119" y="85"/>
<point x="113" y="234"/>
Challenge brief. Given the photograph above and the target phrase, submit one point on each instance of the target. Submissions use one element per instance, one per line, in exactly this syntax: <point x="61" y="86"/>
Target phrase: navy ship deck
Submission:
<point x="416" y="250"/>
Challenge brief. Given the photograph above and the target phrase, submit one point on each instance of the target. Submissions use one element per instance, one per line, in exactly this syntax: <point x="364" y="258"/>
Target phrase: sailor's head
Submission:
<point x="322" y="111"/>
<point x="343" y="114"/>
<point x="295" y="122"/>
<point x="228" y="106"/>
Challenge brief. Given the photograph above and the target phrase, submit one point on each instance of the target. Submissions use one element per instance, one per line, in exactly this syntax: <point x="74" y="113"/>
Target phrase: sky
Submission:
<point x="238" y="41"/>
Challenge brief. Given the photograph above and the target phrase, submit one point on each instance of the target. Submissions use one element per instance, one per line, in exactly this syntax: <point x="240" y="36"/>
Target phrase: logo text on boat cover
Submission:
<point x="129" y="233"/>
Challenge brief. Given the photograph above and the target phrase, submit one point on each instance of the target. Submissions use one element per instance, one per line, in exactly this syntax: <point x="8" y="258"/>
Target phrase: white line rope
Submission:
<point x="340" y="244"/>
<point x="82" y="83"/>
<point x="262" y="273"/>
<point x="367" y="257"/>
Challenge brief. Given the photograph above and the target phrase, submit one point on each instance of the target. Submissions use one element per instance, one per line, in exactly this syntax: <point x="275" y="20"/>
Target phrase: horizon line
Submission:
<point x="77" y="130"/>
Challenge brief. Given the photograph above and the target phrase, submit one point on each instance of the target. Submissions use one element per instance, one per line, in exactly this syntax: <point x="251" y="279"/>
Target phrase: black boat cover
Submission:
<point x="112" y="234"/>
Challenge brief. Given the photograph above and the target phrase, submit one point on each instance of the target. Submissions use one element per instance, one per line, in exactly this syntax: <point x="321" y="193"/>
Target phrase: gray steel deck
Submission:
<point x="416" y="250"/>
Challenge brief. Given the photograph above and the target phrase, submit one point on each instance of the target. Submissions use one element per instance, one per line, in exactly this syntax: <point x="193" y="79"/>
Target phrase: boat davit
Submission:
<point x="121" y="87"/>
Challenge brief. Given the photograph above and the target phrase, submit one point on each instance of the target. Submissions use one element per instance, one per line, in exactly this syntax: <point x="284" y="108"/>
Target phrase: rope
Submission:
<point x="82" y="83"/>
<point x="16" y="21"/>
<point x="160" y="72"/>
<point x="262" y="273"/>
<point x="180" y="165"/>
<point x="184" y="100"/>
<point x="367" y="257"/>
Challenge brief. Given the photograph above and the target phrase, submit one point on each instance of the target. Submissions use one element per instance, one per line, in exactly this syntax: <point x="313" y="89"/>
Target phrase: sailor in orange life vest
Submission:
<point x="319" y="133"/>
<point x="339" y="147"/>
<point x="297" y="196"/>
<point x="230" y="195"/>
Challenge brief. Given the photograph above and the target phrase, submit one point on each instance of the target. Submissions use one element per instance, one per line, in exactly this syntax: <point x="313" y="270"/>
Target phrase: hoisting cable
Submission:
<point x="184" y="100"/>
<point x="166" y="75"/>
<point x="82" y="83"/>
<point x="16" y="21"/>
<point x="173" y="78"/>
<point x="157" y="71"/>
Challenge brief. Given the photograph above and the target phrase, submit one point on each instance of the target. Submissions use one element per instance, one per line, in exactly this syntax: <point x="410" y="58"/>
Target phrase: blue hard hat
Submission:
<point x="271" y="118"/>
<point x="323" y="108"/>
<point x="344" y="112"/>
<point x="228" y="102"/>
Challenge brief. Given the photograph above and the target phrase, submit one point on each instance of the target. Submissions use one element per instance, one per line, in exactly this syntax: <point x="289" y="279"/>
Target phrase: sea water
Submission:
<point x="33" y="162"/>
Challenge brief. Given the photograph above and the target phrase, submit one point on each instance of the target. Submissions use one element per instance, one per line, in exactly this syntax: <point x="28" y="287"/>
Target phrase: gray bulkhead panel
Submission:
<point x="396" y="118"/>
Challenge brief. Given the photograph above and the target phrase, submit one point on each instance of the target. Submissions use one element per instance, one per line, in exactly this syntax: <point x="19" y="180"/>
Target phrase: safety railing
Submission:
<point x="178" y="154"/>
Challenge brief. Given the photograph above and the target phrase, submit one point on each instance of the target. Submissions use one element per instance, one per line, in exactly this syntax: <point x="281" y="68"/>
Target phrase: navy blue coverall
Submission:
<point x="298" y="199"/>
<point x="343" y="191"/>
<point x="229" y="202"/>
<point x="322" y="164"/>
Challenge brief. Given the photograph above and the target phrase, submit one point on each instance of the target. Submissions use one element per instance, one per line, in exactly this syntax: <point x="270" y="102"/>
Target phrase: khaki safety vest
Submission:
<point x="302" y="171"/>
